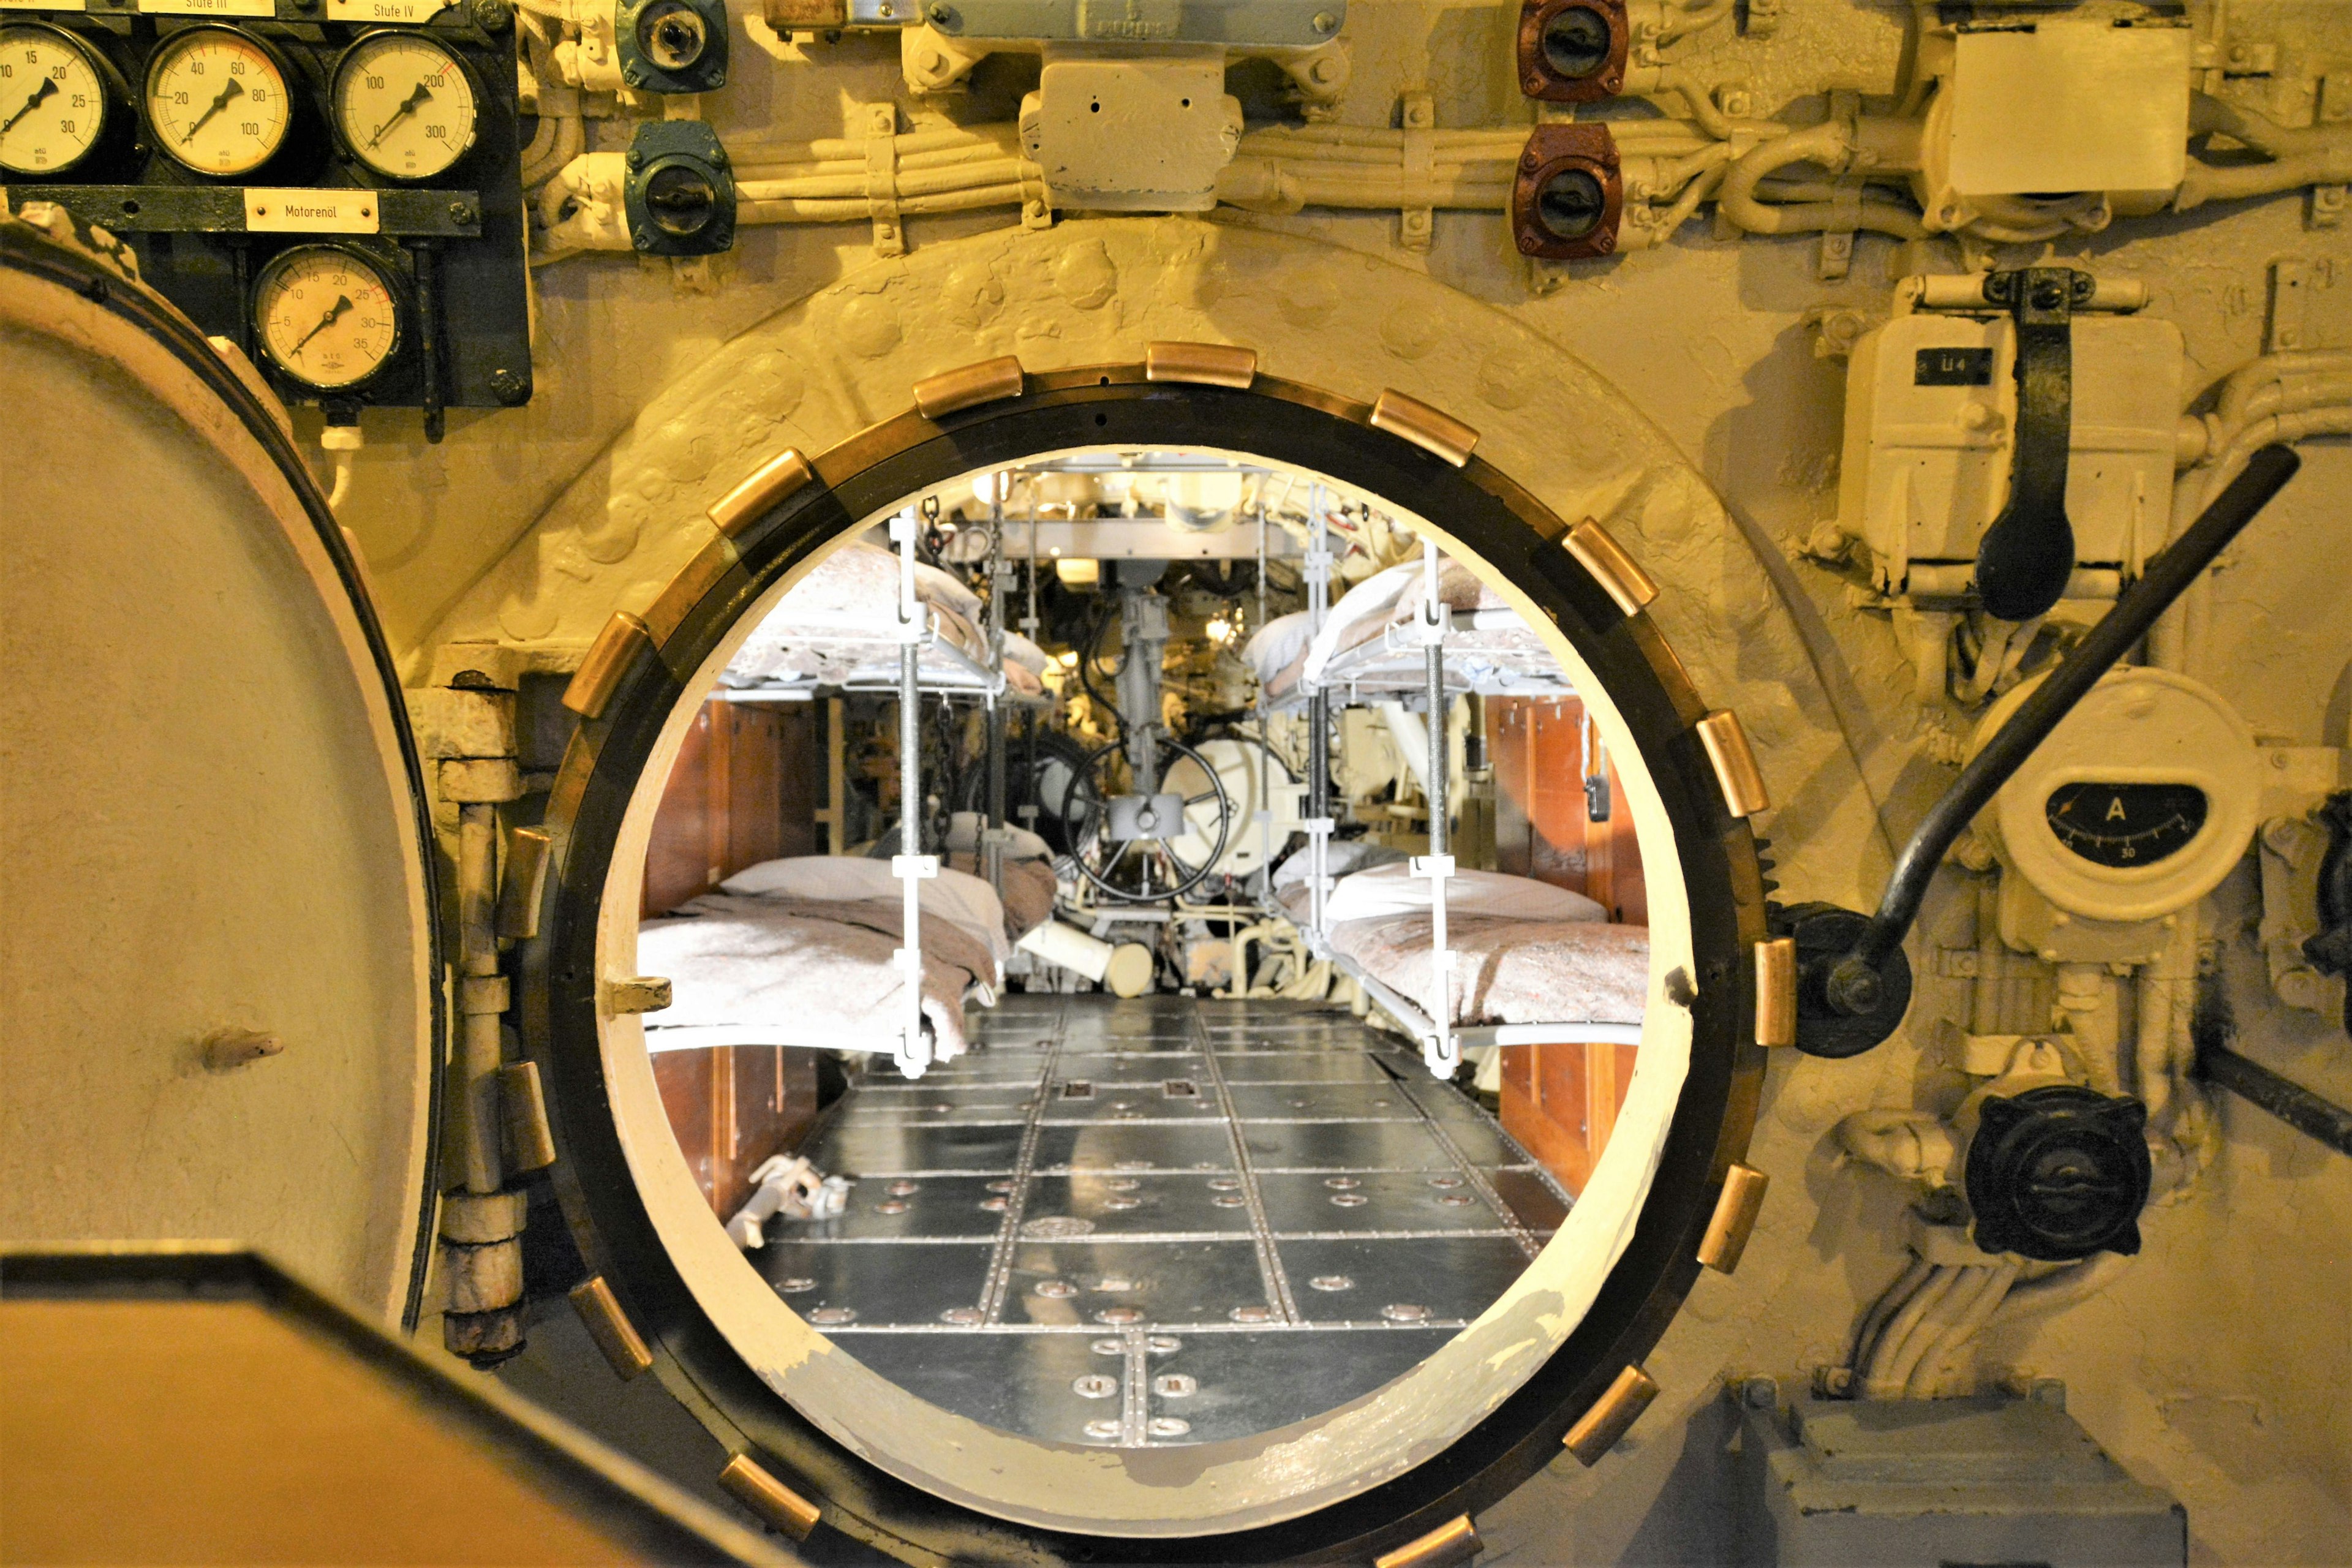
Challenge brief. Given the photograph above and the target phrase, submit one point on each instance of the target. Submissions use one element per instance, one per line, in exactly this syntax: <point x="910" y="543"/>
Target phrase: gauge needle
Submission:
<point x="408" y="106"/>
<point x="48" y="88"/>
<point x="343" y="302"/>
<point x="234" y="88"/>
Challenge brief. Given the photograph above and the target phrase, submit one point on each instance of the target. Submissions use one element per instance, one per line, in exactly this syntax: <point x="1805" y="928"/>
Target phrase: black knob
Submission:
<point x="2059" y="1173"/>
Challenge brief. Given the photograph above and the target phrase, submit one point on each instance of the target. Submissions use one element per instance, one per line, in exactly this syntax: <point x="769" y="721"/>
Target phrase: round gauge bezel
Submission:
<point x="114" y="91"/>
<point x="396" y="287"/>
<point x="278" y="62"/>
<point x="350" y="149"/>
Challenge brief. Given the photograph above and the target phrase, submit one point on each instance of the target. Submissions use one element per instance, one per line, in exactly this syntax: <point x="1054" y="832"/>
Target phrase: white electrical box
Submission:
<point x="1132" y="135"/>
<point x="1931" y="408"/>
<point x="2064" y="106"/>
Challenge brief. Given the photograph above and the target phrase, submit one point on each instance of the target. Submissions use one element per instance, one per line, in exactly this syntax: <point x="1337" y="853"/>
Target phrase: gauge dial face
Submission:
<point x="2124" y="825"/>
<point x="217" y="100"/>
<point x="53" y="100"/>
<point x="326" y="316"/>
<point x="404" y="105"/>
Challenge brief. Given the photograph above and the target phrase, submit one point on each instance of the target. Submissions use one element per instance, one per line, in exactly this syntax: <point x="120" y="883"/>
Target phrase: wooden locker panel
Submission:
<point x="731" y="1107"/>
<point x="684" y="1078"/>
<point x="677" y="856"/>
<point x="1561" y="1101"/>
<point x="800" y="782"/>
<point x="755" y="820"/>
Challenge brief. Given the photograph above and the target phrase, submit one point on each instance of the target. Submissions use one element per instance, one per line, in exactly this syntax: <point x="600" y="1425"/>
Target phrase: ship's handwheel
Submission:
<point x="1119" y="837"/>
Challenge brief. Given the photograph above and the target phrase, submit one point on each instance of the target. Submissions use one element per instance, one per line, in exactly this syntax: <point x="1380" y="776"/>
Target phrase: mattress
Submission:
<point x="838" y="626"/>
<point x="1570" y="968"/>
<point x="773" y="971"/>
<point x="1367" y="643"/>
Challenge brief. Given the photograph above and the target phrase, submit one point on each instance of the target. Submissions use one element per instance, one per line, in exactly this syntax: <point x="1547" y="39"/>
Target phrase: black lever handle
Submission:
<point x="2027" y="555"/>
<point x="1853" y="982"/>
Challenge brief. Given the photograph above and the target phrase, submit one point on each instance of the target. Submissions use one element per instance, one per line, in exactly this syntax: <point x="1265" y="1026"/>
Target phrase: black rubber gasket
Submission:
<point x="1284" y="424"/>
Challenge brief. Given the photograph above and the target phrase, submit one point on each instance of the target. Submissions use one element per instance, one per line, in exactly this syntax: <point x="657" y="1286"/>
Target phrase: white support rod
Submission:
<point x="1319" y="725"/>
<point x="910" y="864"/>
<point x="1439" y="1050"/>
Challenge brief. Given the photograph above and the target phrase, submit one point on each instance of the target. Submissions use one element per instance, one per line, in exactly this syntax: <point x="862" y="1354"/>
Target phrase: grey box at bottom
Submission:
<point x="1950" y="1483"/>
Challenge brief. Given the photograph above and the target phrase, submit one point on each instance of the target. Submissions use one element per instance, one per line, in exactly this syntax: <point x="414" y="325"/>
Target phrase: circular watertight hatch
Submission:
<point x="1494" y="1399"/>
<point x="220" y="1011"/>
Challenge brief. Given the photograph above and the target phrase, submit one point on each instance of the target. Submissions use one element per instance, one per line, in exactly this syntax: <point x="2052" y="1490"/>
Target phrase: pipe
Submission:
<point x="1830" y="144"/>
<point x="1965" y="1328"/>
<point x="2306" y="155"/>
<point x="2168" y="574"/>
<point x="1890" y="1301"/>
<point x="1875" y="1382"/>
<point x="2298" y="1106"/>
<point x="480" y="1050"/>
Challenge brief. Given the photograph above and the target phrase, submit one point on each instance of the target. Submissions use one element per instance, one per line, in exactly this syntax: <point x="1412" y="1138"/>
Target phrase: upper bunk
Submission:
<point x="1371" y="647"/>
<point x="837" y="631"/>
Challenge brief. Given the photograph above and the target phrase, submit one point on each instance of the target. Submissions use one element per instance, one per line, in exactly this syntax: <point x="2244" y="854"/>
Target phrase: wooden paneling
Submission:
<point x="1561" y="1101"/>
<point x="1539" y="750"/>
<point x="731" y="1107"/>
<point x="745" y="788"/>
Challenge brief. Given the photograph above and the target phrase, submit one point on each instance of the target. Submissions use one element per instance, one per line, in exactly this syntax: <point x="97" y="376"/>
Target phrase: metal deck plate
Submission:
<point x="1161" y="1220"/>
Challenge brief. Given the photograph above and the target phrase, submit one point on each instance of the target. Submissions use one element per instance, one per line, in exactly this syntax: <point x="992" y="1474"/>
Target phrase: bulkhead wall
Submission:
<point x="1095" y="292"/>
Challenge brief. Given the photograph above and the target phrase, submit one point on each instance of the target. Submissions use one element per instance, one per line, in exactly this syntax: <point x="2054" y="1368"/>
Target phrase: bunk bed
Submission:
<point x="802" y="951"/>
<point x="837" y="630"/>
<point x="1370" y="644"/>
<point x="1459" y="959"/>
<point x="844" y="953"/>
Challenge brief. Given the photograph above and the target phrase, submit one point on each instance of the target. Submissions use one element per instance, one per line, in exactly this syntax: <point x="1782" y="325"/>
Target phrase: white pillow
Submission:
<point x="957" y="897"/>
<point x="1387" y="890"/>
<point x="1272" y="647"/>
<point x="1370" y="601"/>
<point x="963" y="838"/>
<point x="936" y="585"/>
<point x="1026" y="654"/>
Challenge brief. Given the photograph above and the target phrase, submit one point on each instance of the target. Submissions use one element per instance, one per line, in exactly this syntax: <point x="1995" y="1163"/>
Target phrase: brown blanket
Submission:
<point x="1027" y="894"/>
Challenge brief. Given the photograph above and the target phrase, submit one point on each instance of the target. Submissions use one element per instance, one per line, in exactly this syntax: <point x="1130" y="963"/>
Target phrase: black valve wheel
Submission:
<point x="1118" y="857"/>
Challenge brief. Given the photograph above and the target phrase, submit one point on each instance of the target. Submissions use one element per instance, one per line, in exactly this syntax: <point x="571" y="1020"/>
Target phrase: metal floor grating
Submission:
<point x="1159" y="1221"/>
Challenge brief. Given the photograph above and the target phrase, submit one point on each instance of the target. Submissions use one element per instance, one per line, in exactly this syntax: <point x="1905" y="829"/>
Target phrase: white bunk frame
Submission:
<point x="1442" y="1040"/>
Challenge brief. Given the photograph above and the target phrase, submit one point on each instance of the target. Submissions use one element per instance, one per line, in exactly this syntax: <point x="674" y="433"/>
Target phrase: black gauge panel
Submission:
<point x="2126" y="824"/>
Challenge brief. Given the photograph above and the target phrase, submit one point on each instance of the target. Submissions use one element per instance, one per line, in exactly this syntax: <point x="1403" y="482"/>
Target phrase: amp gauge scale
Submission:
<point x="2137" y="805"/>
<point x="332" y="317"/>
<point x="62" y="104"/>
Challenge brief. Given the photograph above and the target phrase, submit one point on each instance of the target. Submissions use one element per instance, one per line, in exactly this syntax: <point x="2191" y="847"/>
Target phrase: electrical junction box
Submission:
<point x="1940" y="1483"/>
<point x="1132" y="135"/>
<point x="2061" y="106"/>
<point x="1258" y="24"/>
<point x="1930" y="408"/>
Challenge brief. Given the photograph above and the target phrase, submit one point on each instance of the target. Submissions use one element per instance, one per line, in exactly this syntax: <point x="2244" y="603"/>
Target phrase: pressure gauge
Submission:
<point x="217" y="100"/>
<point x="328" y="315"/>
<point x="57" y="98"/>
<point x="404" y="105"/>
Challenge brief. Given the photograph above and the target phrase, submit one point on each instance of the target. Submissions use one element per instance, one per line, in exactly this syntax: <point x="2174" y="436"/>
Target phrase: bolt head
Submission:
<point x="2049" y="297"/>
<point x="492" y="15"/>
<point x="1324" y="21"/>
<point x="461" y="212"/>
<point x="642" y="238"/>
<point x="635" y="160"/>
<point x="634" y="77"/>
<point x="509" y="386"/>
